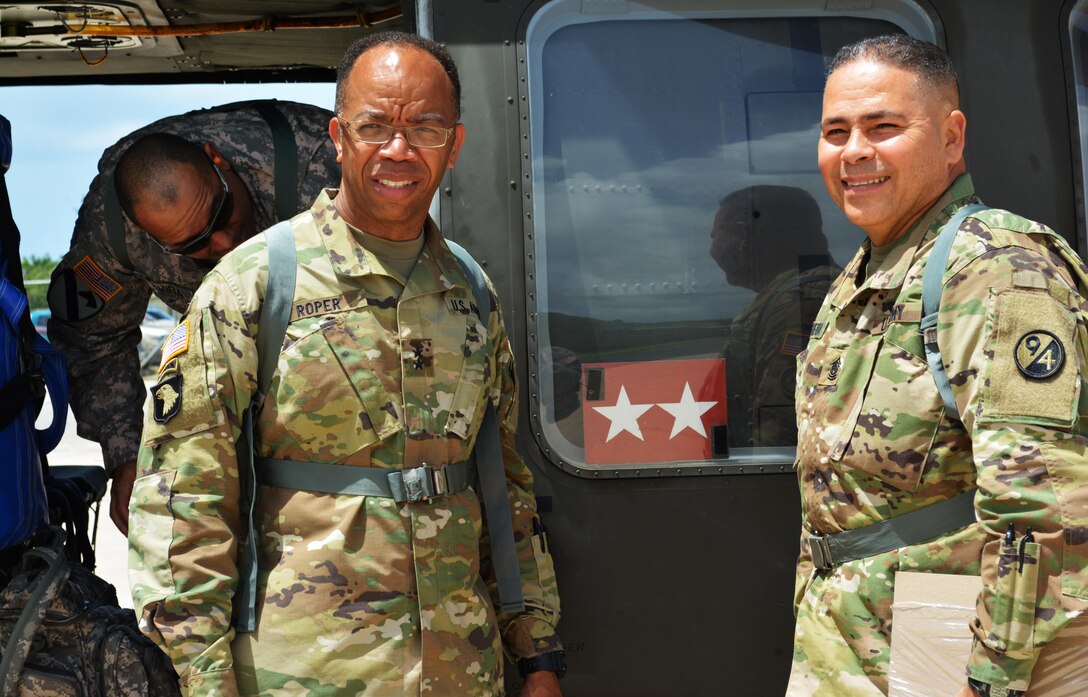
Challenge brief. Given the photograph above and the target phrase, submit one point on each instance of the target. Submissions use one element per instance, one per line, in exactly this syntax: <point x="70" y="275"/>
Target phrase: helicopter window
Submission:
<point x="1078" y="39"/>
<point x="683" y="237"/>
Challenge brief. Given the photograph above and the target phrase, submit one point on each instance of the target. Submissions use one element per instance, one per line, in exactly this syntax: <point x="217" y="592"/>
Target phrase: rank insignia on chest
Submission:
<point x="166" y="398"/>
<point x="1039" y="354"/>
<point x="829" y="375"/>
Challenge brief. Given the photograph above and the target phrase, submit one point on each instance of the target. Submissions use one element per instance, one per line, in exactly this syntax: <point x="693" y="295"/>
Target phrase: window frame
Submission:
<point x="538" y="24"/>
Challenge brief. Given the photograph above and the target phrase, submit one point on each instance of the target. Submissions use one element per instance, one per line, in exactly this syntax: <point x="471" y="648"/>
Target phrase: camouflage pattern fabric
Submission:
<point x="761" y="356"/>
<point x="107" y="394"/>
<point x="356" y="595"/>
<point x="85" y="644"/>
<point x="874" y="443"/>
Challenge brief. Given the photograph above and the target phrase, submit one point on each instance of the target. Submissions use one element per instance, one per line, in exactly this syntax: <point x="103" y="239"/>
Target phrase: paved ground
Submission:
<point x="111" y="547"/>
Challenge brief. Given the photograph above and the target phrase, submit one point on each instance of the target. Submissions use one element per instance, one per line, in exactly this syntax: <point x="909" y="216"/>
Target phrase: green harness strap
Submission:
<point x="284" y="173"/>
<point x="416" y="484"/>
<point x="279" y="294"/>
<point x="921" y="524"/>
<point x="932" y="289"/>
<point x="490" y="467"/>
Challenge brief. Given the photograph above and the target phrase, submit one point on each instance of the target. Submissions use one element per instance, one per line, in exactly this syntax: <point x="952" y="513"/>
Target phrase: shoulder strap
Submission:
<point x="285" y="163"/>
<point x="278" y="296"/>
<point x="115" y="223"/>
<point x="275" y="315"/>
<point x="932" y="289"/>
<point x="475" y="276"/>
<point x="46" y="589"/>
<point x="489" y="464"/>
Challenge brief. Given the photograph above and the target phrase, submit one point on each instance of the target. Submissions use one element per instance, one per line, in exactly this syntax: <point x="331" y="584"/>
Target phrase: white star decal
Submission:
<point x="688" y="413"/>
<point x="623" y="416"/>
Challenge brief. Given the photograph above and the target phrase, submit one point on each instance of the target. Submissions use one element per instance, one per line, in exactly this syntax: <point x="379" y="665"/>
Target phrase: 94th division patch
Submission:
<point x="1039" y="354"/>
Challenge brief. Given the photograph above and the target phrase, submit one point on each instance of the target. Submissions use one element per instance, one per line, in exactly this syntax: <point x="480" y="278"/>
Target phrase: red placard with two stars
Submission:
<point x="652" y="411"/>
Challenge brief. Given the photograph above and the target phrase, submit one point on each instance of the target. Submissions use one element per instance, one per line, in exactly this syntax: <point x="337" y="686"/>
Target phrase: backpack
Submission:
<point x="27" y="365"/>
<point x="61" y="629"/>
<point x="63" y="634"/>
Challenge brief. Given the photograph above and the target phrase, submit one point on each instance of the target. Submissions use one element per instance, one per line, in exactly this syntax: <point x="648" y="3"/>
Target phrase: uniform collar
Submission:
<point x="435" y="271"/>
<point x="893" y="270"/>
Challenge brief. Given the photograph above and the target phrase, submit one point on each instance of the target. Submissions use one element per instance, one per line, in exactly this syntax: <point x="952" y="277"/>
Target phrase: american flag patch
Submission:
<point x="176" y="344"/>
<point x="794" y="343"/>
<point x="96" y="279"/>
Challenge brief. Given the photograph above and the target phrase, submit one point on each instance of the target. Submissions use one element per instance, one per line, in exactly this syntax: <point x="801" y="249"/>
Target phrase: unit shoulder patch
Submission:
<point x="82" y="291"/>
<point x="1027" y="378"/>
<point x="1039" y="354"/>
<point x="166" y="398"/>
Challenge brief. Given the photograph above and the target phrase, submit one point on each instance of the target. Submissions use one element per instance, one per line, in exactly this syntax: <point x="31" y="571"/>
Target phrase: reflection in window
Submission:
<point x="684" y="239"/>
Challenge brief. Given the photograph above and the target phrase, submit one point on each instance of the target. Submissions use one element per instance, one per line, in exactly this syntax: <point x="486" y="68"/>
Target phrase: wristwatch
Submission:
<point x="555" y="661"/>
<point x="987" y="690"/>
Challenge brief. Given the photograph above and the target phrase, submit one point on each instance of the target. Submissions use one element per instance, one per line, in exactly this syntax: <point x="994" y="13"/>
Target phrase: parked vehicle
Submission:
<point x="153" y="332"/>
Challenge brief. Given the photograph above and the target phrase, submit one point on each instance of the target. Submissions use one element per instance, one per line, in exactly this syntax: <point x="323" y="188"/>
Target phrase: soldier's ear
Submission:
<point x="337" y="137"/>
<point x="955" y="135"/>
<point x="216" y="157"/>
<point x="458" y="141"/>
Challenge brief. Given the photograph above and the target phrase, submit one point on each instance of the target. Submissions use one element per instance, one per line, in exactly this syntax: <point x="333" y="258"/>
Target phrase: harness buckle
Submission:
<point x="424" y="483"/>
<point x="820" y="551"/>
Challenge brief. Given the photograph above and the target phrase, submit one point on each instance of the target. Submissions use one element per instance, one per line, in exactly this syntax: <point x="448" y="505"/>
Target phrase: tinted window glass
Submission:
<point x="1078" y="38"/>
<point x="684" y="239"/>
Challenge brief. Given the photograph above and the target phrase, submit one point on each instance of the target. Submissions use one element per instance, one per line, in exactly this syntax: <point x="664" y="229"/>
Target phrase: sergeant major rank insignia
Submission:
<point x="1039" y="354"/>
<point x="166" y="398"/>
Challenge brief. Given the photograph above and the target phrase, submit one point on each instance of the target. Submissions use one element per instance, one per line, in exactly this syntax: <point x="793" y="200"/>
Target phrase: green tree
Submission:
<point x="36" y="268"/>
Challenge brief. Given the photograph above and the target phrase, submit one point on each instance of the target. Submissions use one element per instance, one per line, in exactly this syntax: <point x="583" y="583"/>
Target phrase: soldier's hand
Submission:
<point x="120" y="493"/>
<point x="542" y="683"/>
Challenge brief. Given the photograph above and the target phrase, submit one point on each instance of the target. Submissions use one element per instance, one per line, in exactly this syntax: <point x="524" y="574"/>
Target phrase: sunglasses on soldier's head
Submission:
<point x="218" y="221"/>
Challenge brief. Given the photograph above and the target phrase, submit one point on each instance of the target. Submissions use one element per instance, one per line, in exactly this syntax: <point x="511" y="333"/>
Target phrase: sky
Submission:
<point x="59" y="134"/>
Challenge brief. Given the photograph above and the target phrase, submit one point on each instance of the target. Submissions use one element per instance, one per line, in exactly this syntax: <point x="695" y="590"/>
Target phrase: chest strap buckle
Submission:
<point x="820" y="550"/>
<point x="423" y="483"/>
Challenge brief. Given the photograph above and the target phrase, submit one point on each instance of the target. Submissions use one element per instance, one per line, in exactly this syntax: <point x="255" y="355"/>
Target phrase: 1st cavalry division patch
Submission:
<point x="1039" y="354"/>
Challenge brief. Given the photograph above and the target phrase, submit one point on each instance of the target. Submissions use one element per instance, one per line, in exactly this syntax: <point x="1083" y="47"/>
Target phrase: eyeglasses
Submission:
<point x="218" y="221"/>
<point x="381" y="133"/>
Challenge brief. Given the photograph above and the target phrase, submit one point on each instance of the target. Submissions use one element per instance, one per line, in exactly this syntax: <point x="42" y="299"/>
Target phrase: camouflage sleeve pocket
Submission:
<point x="1031" y="377"/>
<point x="545" y="573"/>
<point x="151" y="534"/>
<point x="1013" y="609"/>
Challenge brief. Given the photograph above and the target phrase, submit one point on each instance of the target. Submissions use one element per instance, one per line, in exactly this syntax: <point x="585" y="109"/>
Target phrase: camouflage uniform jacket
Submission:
<point x="874" y="442"/>
<point x="356" y="595"/>
<point x="761" y="354"/>
<point x="100" y="336"/>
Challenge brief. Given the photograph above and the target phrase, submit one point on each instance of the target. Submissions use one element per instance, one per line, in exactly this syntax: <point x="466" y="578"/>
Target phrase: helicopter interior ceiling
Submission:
<point x="184" y="40"/>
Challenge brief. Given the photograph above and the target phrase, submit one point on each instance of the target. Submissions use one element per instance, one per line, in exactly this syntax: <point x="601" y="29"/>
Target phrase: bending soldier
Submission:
<point x="193" y="187"/>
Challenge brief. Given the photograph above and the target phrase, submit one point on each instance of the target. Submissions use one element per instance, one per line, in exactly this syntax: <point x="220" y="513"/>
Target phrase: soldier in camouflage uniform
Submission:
<point x="875" y="440"/>
<point x="769" y="239"/>
<point x="385" y="365"/>
<point x="98" y="299"/>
